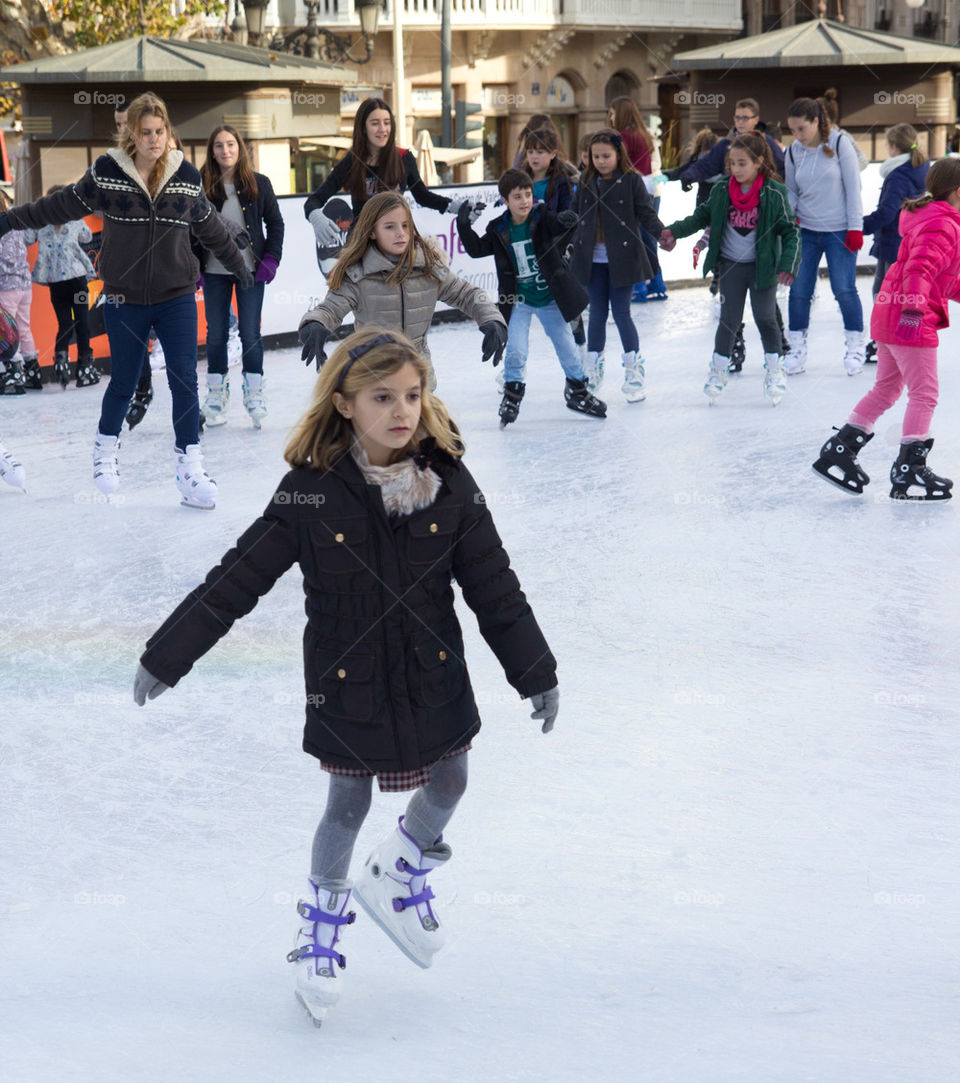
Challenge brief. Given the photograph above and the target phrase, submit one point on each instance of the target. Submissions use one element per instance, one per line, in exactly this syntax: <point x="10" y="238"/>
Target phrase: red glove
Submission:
<point x="696" y="257"/>
<point x="854" y="241"/>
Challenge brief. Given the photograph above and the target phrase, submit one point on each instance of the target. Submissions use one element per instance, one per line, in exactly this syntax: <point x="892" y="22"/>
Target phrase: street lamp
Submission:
<point x="256" y="12"/>
<point x="315" y="41"/>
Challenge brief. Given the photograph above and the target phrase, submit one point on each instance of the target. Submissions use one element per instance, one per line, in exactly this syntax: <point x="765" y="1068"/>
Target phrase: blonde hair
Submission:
<point x="904" y="138"/>
<point x="147" y="105"/>
<point x="943" y="178"/>
<point x="361" y="237"/>
<point x="323" y="434"/>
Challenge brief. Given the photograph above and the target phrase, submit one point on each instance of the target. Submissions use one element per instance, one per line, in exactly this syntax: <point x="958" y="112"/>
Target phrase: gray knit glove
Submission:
<point x="146" y="686"/>
<point x="546" y="705"/>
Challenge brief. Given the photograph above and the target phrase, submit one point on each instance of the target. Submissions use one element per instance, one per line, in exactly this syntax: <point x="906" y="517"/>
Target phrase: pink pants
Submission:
<point x="17" y="303"/>
<point x="915" y="366"/>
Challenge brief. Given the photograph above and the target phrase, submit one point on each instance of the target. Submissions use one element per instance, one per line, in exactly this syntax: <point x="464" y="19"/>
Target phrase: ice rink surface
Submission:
<point x="736" y="857"/>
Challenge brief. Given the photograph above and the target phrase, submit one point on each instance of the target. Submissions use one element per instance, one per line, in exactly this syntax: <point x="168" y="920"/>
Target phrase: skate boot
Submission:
<point x="633" y="377"/>
<point x="717" y="376"/>
<point x="32" y="377"/>
<point x="197" y="488"/>
<point x="106" y="472"/>
<point x="854" y="358"/>
<point x="796" y="361"/>
<point x="593" y="370"/>
<point x="510" y="403"/>
<point x="61" y="368"/>
<point x="499" y="381"/>
<point x="393" y="890"/>
<point x="870" y="353"/>
<point x="774" y="381"/>
<point x="11" y="379"/>
<point x="578" y="398"/>
<point x="784" y="345"/>
<point x="640" y="292"/>
<point x="87" y="372"/>
<point x="656" y="288"/>
<point x="323" y="915"/>
<point x="217" y="400"/>
<point x="137" y="409"/>
<point x="738" y="354"/>
<point x="911" y="472"/>
<point x="253" y="400"/>
<point x="11" y="471"/>
<point x="839" y="453"/>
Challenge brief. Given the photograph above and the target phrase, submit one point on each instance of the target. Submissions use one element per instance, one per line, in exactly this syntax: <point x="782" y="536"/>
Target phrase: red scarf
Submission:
<point x="746" y="201"/>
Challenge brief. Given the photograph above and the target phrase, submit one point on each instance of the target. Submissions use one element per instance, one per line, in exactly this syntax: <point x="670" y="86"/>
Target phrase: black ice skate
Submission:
<point x="137" y="409"/>
<point x="784" y="345"/>
<point x="32" y="377"/>
<point x="61" y="368"/>
<point x="739" y="352"/>
<point x="578" y="398"/>
<point x="87" y="372"/>
<point x="910" y="473"/>
<point x="11" y="378"/>
<point x="870" y="353"/>
<point x="510" y="403"/>
<point x="839" y="454"/>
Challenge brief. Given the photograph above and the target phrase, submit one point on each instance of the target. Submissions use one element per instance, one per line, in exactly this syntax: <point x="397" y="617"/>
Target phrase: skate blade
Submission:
<point x="925" y="498"/>
<point x="834" y="481"/>
<point x="213" y="421"/>
<point x="405" y="948"/>
<point x="184" y="503"/>
<point x="316" y="1012"/>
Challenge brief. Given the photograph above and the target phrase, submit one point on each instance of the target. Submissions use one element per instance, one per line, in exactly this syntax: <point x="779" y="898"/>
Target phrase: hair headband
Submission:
<point x="358" y="351"/>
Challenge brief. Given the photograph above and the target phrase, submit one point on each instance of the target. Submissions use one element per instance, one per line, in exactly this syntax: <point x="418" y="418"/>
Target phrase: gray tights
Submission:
<point x="348" y="802"/>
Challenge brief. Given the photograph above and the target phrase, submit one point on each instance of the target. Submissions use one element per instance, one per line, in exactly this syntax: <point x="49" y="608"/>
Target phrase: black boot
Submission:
<point x="784" y="345"/>
<point x="61" y="368"/>
<point x="739" y="352"/>
<point x="87" y="371"/>
<point x="578" y="398"/>
<point x="11" y="379"/>
<point x="870" y="353"/>
<point x="137" y="409"/>
<point x="840" y="453"/>
<point x="911" y="469"/>
<point x="510" y="403"/>
<point x="32" y="377"/>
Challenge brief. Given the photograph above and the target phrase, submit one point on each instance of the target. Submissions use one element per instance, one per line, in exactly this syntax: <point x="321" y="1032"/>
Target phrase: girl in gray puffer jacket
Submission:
<point x="391" y="276"/>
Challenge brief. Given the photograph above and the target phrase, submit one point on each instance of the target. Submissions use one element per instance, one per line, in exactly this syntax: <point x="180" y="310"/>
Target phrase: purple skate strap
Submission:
<point x="311" y="951"/>
<point x="311" y="913"/>
<point x="399" y="905"/>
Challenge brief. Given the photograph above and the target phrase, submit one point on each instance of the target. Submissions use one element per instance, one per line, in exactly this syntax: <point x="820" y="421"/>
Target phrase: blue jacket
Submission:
<point x="904" y="182"/>
<point x="715" y="161"/>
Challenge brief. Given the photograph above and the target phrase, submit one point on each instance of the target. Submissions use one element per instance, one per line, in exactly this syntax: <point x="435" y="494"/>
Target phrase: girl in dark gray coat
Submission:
<point x="381" y="515"/>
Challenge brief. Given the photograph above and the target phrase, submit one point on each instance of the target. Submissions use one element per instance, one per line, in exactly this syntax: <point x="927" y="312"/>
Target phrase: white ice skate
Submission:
<point x="11" y="471"/>
<point x="234" y="347"/>
<point x="593" y="370"/>
<point x="157" y="360"/>
<point x="393" y="890"/>
<point x="197" y="488"/>
<point x="796" y="360"/>
<point x="634" y="377"/>
<point x="717" y="377"/>
<point x="106" y="472"/>
<point x="218" y="399"/>
<point x="323" y="915"/>
<point x="774" y="381"/>
<point x="856" y="355"/>
<point x="253" y="398"/>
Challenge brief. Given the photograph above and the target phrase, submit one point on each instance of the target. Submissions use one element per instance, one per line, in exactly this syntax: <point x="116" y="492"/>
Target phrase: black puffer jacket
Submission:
<point x="626" y="209"/>
<point x="260" y="212"/>
<point x="145" y="254"/>
<point x="386" y="683"/>
<point x="550" y="241"/>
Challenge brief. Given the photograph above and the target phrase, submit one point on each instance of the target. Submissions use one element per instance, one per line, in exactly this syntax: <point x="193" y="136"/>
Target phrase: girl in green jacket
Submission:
<point x="754" y="244"/>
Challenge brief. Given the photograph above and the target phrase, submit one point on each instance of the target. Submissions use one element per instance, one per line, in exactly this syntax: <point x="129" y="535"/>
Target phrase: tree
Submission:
<point x="99" y="22"/>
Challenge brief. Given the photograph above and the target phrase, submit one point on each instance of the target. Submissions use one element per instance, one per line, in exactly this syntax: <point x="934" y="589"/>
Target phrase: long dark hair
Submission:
<point x="388" y="160"/>
<point x="546" y="139"/>
<point x="243" y="176"/>
<point x="759" y="151"/>
<point x="615" y="140"/>
<point x="626" y="117"/>
<point x="811" y="110"/>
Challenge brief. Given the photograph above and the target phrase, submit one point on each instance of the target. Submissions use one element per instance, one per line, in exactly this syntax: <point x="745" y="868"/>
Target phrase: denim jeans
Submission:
<point x="128" y="326"/>
<point x="558" y="331"/>
<point x="217" y="293"/>
<point x="842" y="267"/>
<point x="603" y="297"/>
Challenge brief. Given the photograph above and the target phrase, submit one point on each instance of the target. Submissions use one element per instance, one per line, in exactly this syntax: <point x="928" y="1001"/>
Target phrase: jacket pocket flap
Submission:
<point x="344" y="667"/>
<point x="339" y="532"/>
<point x="432" y="655"/>
<point x="435" y="521"/>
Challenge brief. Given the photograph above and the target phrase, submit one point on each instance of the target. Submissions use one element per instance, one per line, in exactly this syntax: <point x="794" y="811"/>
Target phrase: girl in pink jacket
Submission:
<point x="909" y="310"/>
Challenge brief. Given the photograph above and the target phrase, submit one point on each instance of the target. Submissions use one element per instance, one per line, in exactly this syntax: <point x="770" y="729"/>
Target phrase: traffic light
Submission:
<point x="467" y="123"/>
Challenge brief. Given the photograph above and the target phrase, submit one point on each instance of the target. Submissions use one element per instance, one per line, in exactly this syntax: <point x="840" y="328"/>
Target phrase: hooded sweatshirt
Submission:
<point x="825" y="191"/>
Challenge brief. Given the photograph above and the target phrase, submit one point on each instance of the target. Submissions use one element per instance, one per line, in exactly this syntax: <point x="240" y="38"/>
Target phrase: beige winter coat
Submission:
<point x="408" y="305"/>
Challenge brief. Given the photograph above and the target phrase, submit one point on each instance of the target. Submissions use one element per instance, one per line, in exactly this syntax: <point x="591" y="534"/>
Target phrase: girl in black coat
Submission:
<point x="381" y="515"/>
<point x="614" y="208"/>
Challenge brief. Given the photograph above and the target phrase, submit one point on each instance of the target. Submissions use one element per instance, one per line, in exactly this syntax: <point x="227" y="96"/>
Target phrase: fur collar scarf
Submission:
<point x="174" y="161"/>
<point x="406" y="486"/>
<point x="894" y="163"/>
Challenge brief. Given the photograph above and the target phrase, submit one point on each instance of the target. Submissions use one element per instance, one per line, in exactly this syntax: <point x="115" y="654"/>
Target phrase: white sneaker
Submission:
<point x="323" y="915"/>
<point x="774" y="381"/>
<point x="217" y="401"/>
<point x="197" y="488"/>
<point x="717" y="377"/>
<point x="593" y="369"/>
<point x="796" y="360"/>
<point x="253" y="399"/>
<point x="106" y="472"/>
<point x="634" y="377"/>
<point x="393" y="890"/>
<point x="855" y="357"/>
<point x="11" y="471"/>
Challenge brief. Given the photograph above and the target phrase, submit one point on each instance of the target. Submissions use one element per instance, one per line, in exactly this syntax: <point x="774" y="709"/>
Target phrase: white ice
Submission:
<point x="734" y="859"/>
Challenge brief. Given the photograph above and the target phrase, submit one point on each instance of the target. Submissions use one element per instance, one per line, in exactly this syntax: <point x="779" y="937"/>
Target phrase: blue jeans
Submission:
<point x="217" y="293"/>
<point x="603" y="297"/>
<point x="842" y="267"/>
<point x="558" y="331"/>
<point x="128" y="326"/>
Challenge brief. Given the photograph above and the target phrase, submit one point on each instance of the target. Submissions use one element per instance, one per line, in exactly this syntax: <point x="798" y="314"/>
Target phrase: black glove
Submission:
<point x="467" y="213"/>
<point x="494" y="341"/>
<point x="6" y="226"/>
<point x="568" y="219"/>
<point x="312" y="337"/>
<point x="245" y="279"/>
<point x="686" y="185"/>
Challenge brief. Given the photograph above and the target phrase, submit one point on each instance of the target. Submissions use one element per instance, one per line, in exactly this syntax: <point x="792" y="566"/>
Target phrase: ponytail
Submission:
<point x="943" y="178"/>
